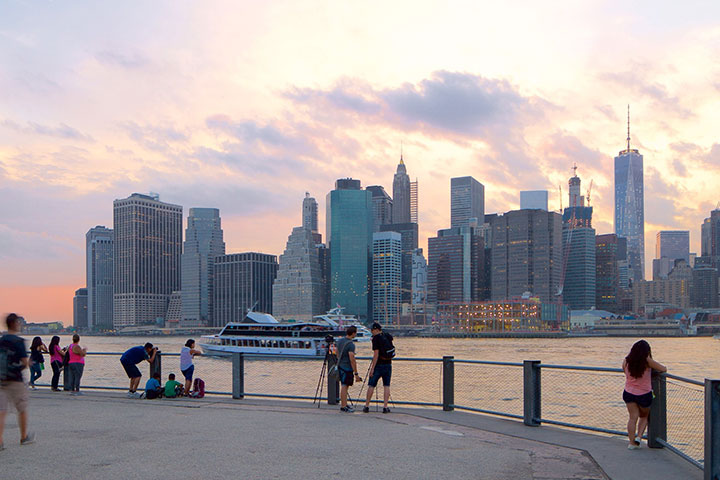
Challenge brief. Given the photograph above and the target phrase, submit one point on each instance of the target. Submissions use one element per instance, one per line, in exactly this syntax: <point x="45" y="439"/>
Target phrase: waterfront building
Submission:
<point x="242" y="281"/>
<point x="298" y="290"/>
<point x="382" y="206"/>
<point x="401" y="207"/>
<point x="467" y="201"/>
<point x="534" y="200"/>
<point x="705" y="285"/>
<point x="349" y="235"/>
<point x="148" y="247"/>
<point x="99" y="277"/>
<point x="419" y="277"/>
<point x="630" y="207"/>
<point x="409" y="234"/>
<point x="524" y="313"/>
<point x="310" y="213"/>
<point x="609" y="254"/>
<point x="526" y="254"/>
<point x="203" y="242"/>
<point x="173" y="315"/>
<point x="456" y="266"/>
<point x="675" y="293"/>
<point x="386" y="275"/>
<point x="80" y="309"/>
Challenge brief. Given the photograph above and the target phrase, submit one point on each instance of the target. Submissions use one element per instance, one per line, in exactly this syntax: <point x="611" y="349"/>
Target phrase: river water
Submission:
<point x="581" y="397"/>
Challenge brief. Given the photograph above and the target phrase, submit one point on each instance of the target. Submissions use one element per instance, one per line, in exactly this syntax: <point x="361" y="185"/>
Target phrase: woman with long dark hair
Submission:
<point x="187" y="353"/>
<point x="37" y="362"/>
<point x="638" y="395"/>
<point x="56" y="361"/>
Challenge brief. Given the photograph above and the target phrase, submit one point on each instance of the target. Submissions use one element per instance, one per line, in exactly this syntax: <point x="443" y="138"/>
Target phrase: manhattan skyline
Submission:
<point x="245" y="107"/>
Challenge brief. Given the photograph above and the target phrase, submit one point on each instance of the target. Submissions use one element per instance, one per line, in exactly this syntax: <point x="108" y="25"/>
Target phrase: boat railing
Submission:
<point x="684" y="418"/>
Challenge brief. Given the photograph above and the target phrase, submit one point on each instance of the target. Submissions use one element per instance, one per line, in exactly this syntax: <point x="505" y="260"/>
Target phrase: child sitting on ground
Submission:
<point x="153" y="388"/>
<point x="173" y="388"/>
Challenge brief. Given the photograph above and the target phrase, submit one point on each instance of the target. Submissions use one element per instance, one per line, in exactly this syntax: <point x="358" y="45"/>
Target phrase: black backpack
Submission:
<point x="66" y="358"/>
<point x="387" y="349"/>
<point x="4" y="363"/>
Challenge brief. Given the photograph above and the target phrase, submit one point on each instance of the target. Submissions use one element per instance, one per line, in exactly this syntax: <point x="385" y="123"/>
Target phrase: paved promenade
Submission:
<point x="104" y="435"/>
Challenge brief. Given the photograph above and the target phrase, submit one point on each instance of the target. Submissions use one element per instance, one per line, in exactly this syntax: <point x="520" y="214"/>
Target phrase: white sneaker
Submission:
<point x="632" y="446"/>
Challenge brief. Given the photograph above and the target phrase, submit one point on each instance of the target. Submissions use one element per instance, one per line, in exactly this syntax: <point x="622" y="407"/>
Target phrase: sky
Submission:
<point x="245" y="106"/>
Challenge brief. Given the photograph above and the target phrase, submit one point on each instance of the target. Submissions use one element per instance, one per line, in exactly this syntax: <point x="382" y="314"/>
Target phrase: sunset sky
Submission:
<point x="245" y="106"/>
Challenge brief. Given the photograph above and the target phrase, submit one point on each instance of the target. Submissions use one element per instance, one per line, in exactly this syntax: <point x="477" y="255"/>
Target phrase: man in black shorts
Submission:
<point x="130" y="360"/>
<point x="347" y="368"/>
<point x="381" y="367"/>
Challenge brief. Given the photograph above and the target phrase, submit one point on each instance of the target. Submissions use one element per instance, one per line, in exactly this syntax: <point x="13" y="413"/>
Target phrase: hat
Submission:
<point x="376" y="326"/>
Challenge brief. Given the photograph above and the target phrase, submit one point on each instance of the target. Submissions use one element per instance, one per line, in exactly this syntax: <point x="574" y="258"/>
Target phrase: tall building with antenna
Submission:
<point x="401" y="194"/>
<point x="630" y="206"/>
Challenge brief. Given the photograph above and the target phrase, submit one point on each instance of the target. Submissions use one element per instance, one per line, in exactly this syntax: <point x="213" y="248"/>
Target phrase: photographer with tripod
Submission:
<point x="347" y="367"/>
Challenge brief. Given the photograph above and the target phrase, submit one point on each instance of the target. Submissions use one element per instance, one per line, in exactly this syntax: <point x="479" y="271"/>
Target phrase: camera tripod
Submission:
<point x="321" y="380"/>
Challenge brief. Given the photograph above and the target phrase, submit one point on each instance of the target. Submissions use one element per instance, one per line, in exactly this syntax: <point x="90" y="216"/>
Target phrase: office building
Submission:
<point x="409" y="234"/>
<point x="467" y="201"/>
<point x="673" y="244"/>
<point x="456" y="266"/>
<point x="630" y="207"/>
<point x="705" y="286"/>
<point x="299" y="288"/>
<point x="173" y="315"/>
<point x="349" y="235"/>
<point x="99" y="277"/>
<point x="401" y="195"/>
<point x="80" y="309"/>
<point x="242" y="281"/>
<point x="148" y="248"/>
<point x="419" y="277"/>
<point x="386" y="275"/>
<point x="310" y="213"/>
<point x="577" y="212"/>
<point x="534" y="200"/>
<point x="203" y="242"/>
<point x="526" y="254"/>
<point x="382" y="206"/>
<point x="414" y="201"/>
<point x="608" y="255"/>
<point x="578" y="284"/>
<point x="675" y="293"/>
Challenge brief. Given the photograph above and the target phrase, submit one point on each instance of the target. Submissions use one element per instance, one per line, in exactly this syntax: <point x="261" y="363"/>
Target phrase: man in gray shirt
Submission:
<point x="347" y="368"/>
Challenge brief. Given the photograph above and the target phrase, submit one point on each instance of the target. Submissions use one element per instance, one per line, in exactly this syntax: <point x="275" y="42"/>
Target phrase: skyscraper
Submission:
<point x="534" y="200"/>
<point x="607" y="274"/>
<point x="382" y="206"/>
<point x="578" y="284"/>
<point x="526" y="254"/>
<point x="710" y="238"/>
<point x="310" y="213"/>
<point x="467" y="200"/>
<point x="242" y="281"/>
<point x="414" y="201"/>
<point x="630" y="206"/>
<point x="409" y="235"/>
<point x="419" y="277"/>
<point x="99" y="277"/>
<point x="673" y="244"/>
<point x="401" y="194"/>
<point x="148" y="247"/>
<point x="203" y="242"/>
<point x="298" y="290"/>
<point x="80" y="309"/>
<point x="386" y="270"/>
<point x="349" y="234"/>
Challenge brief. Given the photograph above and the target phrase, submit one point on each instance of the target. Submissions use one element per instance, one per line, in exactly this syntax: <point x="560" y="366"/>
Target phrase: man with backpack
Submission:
<point x="381" y="366"/>
<point x="13" y="360"/>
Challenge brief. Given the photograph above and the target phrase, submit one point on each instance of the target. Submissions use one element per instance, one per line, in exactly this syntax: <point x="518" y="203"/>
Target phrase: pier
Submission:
<point x="105" y="435"/>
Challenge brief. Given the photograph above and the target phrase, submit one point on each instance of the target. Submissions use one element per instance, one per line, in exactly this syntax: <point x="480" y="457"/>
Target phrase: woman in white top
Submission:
<point x="186" y="363"/>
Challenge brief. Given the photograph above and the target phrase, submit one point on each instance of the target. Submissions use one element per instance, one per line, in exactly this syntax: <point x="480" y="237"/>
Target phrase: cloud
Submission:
<point x="61" y="131"/>
<point x="155" y="137"/>
<point x="132" y="61"/>
<point x="636" y="82"/>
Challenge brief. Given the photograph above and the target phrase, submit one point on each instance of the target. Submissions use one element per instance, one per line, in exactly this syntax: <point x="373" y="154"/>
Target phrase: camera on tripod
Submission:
<point x="329" y="345"/>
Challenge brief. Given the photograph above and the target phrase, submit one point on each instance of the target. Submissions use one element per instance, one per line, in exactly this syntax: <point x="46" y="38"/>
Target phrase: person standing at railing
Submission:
<point x="381" y="366"/>
<point x="13" y="360"/>
<point x="347" y="367"/>
<point x="37" y="361"/>
<point x="56" y="362"/>
<point x="638" y="395"/>
<point x="76" y="364"/>
<point x="130" y="360"/>
<point x="187" y="353"/>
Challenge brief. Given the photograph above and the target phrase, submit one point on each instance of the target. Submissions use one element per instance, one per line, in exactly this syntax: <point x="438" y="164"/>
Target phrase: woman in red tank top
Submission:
<point x="638" y="395"/>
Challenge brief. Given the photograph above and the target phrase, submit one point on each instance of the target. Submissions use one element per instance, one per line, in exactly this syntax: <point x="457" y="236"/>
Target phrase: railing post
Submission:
<point x="657" y="423"/>
<point x="333" y="387"/>
<point x="531" y="393"/>
<point x="156" y="365"/>
<point x="238" y="375"/>
<point x="712" y="429"/>
<point x="448" y="383"/>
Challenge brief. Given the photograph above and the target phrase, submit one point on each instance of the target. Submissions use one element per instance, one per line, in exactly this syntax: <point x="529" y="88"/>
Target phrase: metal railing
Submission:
<point x="684" y="418"/>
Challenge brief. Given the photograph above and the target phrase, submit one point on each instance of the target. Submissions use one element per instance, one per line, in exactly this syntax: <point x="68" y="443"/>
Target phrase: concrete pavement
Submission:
<point x="104" y="435"/>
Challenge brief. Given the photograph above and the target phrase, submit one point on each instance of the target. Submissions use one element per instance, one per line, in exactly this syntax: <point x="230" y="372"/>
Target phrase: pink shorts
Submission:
<point x="15" y="392"/>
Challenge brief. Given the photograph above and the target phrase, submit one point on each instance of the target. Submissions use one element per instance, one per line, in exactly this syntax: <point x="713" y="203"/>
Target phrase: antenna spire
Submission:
<point x="628" y="137"/>
<point x="401" y="152"/>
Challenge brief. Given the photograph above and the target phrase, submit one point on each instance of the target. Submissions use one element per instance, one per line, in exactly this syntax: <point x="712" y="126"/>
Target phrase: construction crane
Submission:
<point x="589" y="190"/>
<point x="560" y="196"/>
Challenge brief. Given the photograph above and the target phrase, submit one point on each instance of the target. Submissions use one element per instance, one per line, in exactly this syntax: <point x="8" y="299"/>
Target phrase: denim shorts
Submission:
<point x="383" y="371"/>
<point x="188" y="372"/>
<point x="644" y="400"/>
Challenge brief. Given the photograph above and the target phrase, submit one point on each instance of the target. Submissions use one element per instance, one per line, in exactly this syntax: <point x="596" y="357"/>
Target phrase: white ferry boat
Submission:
<point x="337" y="318"/>
<point x="262" y="333"/>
